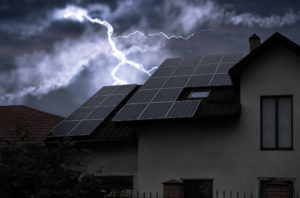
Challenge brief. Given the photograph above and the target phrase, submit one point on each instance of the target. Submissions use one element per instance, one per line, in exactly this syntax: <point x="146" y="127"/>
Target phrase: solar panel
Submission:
<point x="142" y="96"/>
<point x="94" y="101"/>
<point x="232" y="58"/>
<point x="113" y="100"/>
<point x="156" y="110"/>
<point x="106" y="90"/>
<point x="101" y="112"/>
<point x="130" y="112"/>
<point x="162" y="72"/>
<point x="191" y="61"/>
<point x="171" y="62"/>
<point x="167" y="94"/>
<point x="124" y="89"/>
<point x="211" y="59"/>
<point x="179" y="81"/>
<point x="182" y="71"/>
<point x="221" y="79"/>
<point x="63" y="128"/>
<point x="85" y="127"/>
<point x="183" y="109"/>
<point x="153" y="83"/>
<point x="206" y="69"/>
<point x="224" y="67"/>
<point x="79" y="114"/>
<point x="199" y="81"/>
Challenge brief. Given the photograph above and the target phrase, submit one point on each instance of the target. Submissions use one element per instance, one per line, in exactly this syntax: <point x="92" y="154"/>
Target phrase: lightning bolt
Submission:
<point x="81" y="15"/>
<point x="155" y="34"/>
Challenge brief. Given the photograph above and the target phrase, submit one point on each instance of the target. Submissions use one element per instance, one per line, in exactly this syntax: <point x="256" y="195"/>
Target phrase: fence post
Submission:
<point x="244" y="195"/>
<point x="230" y="194"/>
<point x="173" y="188"/>
<point x="223" y="193"/>
<point x="217" y="194"/>
<point x="237" y="194"/>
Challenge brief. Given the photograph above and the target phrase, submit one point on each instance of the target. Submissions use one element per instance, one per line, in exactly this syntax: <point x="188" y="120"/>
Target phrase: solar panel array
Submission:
<point x="93" y="112"/>
<point x="157" y="98"/>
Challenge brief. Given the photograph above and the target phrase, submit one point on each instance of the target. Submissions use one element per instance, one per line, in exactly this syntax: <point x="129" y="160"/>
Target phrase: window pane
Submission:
<point x="284" y="123"/>
<point x="268" y="123"/>
<point x="199" y="94"/>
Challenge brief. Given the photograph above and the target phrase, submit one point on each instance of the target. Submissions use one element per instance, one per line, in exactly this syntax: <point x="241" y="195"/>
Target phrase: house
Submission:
<point x="201" y="125"/>
<point x="39" y="122"/>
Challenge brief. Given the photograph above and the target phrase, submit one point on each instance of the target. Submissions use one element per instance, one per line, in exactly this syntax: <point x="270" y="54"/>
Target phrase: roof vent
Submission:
<point x="254" y="42"/>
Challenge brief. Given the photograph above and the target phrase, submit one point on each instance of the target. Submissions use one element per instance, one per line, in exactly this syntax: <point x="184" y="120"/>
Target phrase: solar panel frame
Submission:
<point x="113" y="100"/>
<point x="211" y="59"/>
<point x="124" y="89"/>
<point x="100" y="112"/>
<point x="190" y="61"/>
<point x="163" y="72"/>
<point x="106" y="90"/>
<point x="63" y="128"/>
<point x="80" y="113"/>
<point x="205" y="69"/>
<point x="171" y="62"/>
<point x="199" y="81"/>
<point x="183" y="71"/>
<point x="154" y="83"/>
<point x="170" y="94"/>
<point x="224" y="67"/>
<point x="130" y="112"/>
<point x="176" y="81"/>
<point x="156" y="110"/>
<point x="232" y="58"/>
<point x="94" y="101"/>
<point x="221" y="80"/>
<point x="142" y="96"/>
<point x="183" y="109"/>
<point x="86" y="127"/>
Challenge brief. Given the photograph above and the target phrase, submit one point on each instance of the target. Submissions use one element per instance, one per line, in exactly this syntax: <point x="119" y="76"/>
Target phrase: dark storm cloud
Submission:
<point x="35" y="45"/>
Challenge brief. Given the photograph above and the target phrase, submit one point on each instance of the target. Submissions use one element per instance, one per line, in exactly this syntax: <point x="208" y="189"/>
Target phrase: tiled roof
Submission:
<point x="40" y="122"/>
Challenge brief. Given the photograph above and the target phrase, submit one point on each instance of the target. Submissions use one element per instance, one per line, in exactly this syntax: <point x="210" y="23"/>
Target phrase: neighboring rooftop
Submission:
<point x="39" y="122"/>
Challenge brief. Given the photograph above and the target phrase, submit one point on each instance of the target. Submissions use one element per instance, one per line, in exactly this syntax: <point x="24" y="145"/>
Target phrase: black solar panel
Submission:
<point x="221" y="79"/>
<point x="101" y="112"/>
<point x="123" y="89"/>
<point x="142" y="96"/>
<point x="63" y="128"/>
<point x="182" y="71"/>
<point x="232" y="58"/>
<point x="179" y="81"/>
<point x="211" y="59"/>
<point x="171" y="62"/>
<point x="156" y="110"/>
<point x="206" y="69"/>
<point x="85" y="127"/>
<point x="183" y="109"/>
<point x="224" y="67"/>
<point x="79" y="114"/>
<point x="106" y="90"/>
<point x="153" y="83"/>
<point x="194" y="61"/>
<point x="113" y="100"/>
<point x="130" y="112"/>
<point x="199" y="81"/>
<point x="94" y="101"/>
<point x="167" y="94"/>
<point x="162" y="72"/>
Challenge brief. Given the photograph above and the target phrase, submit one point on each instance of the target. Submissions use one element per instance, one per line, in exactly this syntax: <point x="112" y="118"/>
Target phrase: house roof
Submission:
<point x="276" y="39"/>
<point x="164" y="96"/>
<point x="160" y="97"/>
<point x="40" y="122"/>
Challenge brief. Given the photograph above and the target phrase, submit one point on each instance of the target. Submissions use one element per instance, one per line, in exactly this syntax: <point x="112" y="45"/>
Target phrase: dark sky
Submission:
<point x="55" y="64"/>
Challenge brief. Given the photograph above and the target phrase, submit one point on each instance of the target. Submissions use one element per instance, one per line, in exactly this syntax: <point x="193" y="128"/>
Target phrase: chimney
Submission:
<point x="254" y="42"/>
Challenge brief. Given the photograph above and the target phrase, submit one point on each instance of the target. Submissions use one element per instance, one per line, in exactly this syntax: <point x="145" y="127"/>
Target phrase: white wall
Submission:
<point x="229" y="153"/>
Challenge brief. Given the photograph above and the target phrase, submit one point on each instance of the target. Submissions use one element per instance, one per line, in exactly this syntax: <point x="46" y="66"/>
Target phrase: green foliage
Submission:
<point x="33" y="171"/>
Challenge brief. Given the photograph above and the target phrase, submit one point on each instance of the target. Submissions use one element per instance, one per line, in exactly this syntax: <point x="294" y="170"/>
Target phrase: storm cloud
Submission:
<point x="43" y="54"/>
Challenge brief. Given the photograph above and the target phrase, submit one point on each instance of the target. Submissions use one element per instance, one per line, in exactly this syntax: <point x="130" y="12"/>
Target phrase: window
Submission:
<point x="195" y="188"/>
<point x="276" y="122"/>
<point x="276" y="188"/>
<point x="198" y="94"/>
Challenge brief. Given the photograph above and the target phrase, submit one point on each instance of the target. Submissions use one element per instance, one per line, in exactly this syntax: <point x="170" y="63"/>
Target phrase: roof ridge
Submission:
<point x="33" y="109"/>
